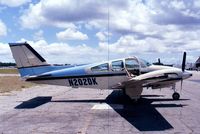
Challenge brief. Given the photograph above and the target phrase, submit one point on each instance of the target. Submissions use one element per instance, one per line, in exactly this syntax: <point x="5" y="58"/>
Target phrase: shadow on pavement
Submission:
<point x="34" y="102"/>
<point x="142" y="114"/>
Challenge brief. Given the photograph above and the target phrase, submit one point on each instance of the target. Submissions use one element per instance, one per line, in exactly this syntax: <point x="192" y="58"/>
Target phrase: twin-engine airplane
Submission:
<point x="129" y="74"/>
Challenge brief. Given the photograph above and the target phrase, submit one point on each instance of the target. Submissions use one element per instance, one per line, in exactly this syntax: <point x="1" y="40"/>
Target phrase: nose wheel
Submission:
<point x="176" y="96"/>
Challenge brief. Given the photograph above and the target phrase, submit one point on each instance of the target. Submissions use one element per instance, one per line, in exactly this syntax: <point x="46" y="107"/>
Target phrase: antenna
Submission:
<point x="108" y="41"/>
<point x="108" y="32"/>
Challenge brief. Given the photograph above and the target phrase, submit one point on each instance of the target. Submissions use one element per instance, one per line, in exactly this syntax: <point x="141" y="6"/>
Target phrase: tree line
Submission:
<point x="7" y="64"/>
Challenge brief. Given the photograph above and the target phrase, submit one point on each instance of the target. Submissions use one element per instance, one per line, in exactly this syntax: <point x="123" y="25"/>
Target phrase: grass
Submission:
<point x="13" y="83"/>
<point x="8" y="71"/>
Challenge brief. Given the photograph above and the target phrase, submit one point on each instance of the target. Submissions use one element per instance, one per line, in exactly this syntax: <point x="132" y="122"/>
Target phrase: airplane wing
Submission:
<point x="159" y="81"/>
<point x="155" y="79"/>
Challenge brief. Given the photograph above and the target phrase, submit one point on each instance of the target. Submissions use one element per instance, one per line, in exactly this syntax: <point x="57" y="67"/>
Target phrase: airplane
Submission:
<point x="130" y="74"/>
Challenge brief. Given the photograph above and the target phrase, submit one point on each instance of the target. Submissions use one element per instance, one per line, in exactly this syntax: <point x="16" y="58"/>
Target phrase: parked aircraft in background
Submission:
<point x="162" y="64"/>
<point x="129" y="74"/>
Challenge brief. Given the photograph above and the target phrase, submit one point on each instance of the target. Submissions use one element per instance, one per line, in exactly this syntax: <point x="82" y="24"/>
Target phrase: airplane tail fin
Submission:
<point x="28" y="61"/>
<point x="26" y="56"/>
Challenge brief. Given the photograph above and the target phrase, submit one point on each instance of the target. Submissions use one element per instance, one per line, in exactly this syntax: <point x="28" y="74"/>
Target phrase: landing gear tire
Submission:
<point x="176" y="96"/>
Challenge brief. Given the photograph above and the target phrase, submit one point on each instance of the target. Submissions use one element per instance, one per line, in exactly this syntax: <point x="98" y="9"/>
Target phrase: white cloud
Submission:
<point x="197" y="3"/>
<point x="33" y="18"/>
<point x="143" y="26"/>
<point x="124" y="46"/>
<point x="14" y="3"/>
<point x="3" y="29"/>
<point x="144" y="18"/>
<point x="103" y="36"/>
<point x="124" y="15"/>
<point x="175" y="12"/>
<point x="71" y="34"/>
<point x="66" y="10"/>
<point x="65" y="53"/>
<point x="38" y="35"/>
<point x="5" y="53"/>
<point x="63" y="13"/>
<point x="129" y="45"/>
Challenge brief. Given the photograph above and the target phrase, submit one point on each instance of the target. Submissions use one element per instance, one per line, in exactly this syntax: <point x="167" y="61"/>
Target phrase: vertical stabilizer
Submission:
<point x="29" y="62"/>
<point x="26" y="56"/>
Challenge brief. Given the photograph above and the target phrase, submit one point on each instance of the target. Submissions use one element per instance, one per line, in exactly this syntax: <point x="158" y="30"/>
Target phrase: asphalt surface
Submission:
<point x="1" y="75"/>
<point x="63" y="110"/>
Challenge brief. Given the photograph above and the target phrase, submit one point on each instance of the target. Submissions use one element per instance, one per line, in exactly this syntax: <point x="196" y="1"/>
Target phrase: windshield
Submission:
<point x="144" y="63"/>
<point x="131" y="64"/>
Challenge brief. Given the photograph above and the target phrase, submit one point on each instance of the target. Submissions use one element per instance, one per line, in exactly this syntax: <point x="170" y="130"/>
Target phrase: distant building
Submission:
<point x="190" y="66"/>
<point x="197" y="63"/>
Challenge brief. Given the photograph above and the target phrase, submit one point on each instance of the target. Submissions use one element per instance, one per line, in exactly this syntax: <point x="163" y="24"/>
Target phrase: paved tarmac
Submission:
<point x="63" y="110"/>
<point x="1" y="75"/>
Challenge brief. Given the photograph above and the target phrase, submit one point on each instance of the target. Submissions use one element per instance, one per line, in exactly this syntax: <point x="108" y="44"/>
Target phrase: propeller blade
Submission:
<point x="183" y="62"/>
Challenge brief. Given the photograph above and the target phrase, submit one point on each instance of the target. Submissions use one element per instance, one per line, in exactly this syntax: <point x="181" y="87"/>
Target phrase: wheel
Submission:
<point x="176" y="96"/>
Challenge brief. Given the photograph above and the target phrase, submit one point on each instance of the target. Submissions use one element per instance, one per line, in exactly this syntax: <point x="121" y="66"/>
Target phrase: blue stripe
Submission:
<point x="39" y="70"/>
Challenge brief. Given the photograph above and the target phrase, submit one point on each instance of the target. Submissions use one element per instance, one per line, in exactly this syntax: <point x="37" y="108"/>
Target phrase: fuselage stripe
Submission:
<point x="79" y="76"/>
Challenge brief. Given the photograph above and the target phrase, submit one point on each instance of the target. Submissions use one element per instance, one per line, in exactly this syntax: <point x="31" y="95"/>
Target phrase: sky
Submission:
<point x="86" y="31"/>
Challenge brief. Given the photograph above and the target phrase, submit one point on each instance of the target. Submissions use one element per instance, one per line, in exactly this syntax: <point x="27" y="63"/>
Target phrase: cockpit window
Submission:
<point x="144" y="63"/>
<point x="117" y="65"/>
<point x="131" y="64"/>
<point x="100" y="68"/>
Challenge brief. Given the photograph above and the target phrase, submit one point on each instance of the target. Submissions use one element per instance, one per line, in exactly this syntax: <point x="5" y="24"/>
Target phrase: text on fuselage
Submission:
<point x="82" y="81"/>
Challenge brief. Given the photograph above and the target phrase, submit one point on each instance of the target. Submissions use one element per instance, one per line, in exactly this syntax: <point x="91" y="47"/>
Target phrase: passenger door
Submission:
<point x="132" y="66"/>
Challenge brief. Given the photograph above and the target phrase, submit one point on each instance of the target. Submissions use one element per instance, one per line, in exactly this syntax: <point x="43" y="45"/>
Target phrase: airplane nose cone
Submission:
<point x="187" y="75"/>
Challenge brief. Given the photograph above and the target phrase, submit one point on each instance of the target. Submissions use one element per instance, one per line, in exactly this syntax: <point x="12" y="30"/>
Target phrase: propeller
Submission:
<point x="183" y="67"/>
<point x="183" y="62"/>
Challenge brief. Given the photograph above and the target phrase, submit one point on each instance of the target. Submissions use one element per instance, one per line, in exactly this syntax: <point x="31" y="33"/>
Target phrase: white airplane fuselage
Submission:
<point x="108" y="80"/>
<point x="130" y="74"/>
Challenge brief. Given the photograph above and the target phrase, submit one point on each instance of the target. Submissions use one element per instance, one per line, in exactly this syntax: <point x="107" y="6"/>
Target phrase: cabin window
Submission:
<point x="117" y="65"/>
<point x="101" y="68"/>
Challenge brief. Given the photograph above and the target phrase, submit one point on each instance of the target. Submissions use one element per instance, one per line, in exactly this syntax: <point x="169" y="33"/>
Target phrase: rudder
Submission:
<point x="26" y="56"/>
